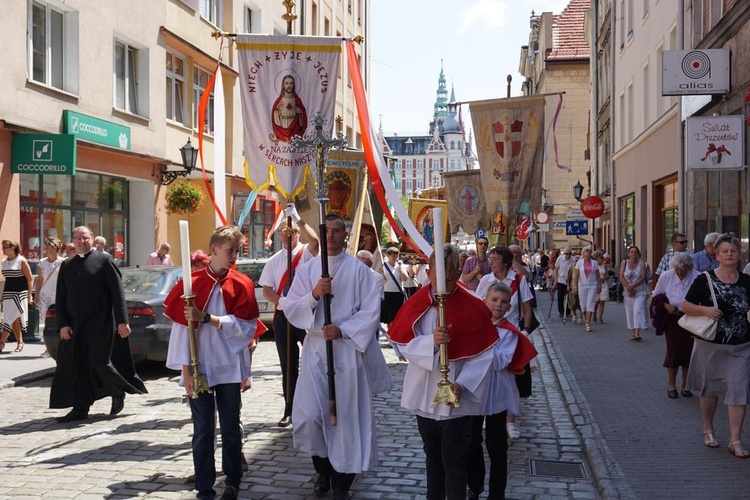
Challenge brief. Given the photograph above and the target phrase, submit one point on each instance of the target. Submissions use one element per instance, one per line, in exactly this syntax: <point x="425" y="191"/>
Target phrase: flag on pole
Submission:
<point x="220" y="191"/>
<point x="284" y="81"/>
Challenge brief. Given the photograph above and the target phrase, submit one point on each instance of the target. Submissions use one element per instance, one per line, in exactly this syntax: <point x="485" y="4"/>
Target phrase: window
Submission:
<point x="175" y="88"/>
<point x="630" y="19"/>
<point x="631" y="109"/>
<point x="252" y="18"/>
<point x="420" y="164"/>
<point x="127" y="73"/>
<point x="420" y="183"/>
<point x="646" y="96"/>
<point x="53" y="46"/>
<point x="621" y="15"/>
<point x="408" y="185"/>
<point x="659" y="82"/>
<point x="327" y="27"/>
<point x="645" y="8"/>
<point x="200" y="81"/>
<point x="211" y="11"/>
<point x="408" y="165"/>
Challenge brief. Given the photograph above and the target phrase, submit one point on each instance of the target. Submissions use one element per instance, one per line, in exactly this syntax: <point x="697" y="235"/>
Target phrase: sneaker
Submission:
<point x="230" y="493"/>
<point x="513" y="432"/>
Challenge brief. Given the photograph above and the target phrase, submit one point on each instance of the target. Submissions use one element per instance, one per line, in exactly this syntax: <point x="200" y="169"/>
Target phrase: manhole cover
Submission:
<point x="547" y="468"/>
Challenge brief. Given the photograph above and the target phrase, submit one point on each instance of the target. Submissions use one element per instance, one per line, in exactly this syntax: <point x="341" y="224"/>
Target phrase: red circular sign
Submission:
<point x="592" y="207"/>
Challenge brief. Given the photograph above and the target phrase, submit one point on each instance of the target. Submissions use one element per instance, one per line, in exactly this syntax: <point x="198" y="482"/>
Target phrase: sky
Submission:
<point x="479" y="42"/>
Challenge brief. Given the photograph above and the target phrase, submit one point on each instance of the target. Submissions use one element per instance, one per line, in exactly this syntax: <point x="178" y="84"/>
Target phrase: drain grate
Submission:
<point x="553" y="468"/>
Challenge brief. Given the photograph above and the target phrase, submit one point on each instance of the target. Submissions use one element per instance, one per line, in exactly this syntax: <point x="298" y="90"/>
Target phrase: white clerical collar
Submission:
<point x="82" y="255"/>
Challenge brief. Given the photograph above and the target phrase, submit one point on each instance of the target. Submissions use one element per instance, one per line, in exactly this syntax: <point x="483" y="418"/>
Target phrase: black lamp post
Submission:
<point x="578" y="191"/>
<point x="189" y="155"/>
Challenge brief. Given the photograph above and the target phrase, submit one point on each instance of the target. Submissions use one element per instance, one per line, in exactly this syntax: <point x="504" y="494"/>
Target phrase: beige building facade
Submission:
<point x="129" y="87"/>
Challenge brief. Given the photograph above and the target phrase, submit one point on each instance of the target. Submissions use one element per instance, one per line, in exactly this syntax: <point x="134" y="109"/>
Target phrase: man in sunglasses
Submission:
<point x="477" y="266"/>
<point x="679" y="244"/>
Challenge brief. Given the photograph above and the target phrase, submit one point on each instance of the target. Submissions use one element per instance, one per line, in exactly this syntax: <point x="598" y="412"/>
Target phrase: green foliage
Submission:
<point x="184" y="198"/>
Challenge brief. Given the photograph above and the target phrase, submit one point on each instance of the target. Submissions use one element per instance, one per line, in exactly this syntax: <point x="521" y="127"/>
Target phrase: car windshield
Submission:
<point x="148" y="280"/>
<point x="252" y="269"/>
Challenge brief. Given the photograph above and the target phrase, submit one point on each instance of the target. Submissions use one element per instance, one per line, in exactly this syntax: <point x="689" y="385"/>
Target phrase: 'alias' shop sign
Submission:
<point x="44" y="154"/>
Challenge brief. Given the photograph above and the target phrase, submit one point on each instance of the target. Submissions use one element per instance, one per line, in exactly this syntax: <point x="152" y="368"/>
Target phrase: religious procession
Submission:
<point x="298" y="304"/>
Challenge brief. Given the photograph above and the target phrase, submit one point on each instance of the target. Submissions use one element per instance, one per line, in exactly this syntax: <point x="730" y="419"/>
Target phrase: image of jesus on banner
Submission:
<point x="288" y="114"/>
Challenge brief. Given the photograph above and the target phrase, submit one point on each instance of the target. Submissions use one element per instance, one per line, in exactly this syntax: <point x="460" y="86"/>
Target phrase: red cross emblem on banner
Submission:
<point x="508" y="137"/>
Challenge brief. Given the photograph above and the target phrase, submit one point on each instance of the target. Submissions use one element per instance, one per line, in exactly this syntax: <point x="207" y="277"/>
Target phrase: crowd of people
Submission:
<point x="489" y="299"/>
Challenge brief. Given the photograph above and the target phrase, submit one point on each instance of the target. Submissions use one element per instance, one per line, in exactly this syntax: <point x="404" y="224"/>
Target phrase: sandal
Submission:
<point x="709" y="439"/>
<point x="588" y="328"/>
<point x="19" y="348"/>
<point x="736" y="449"/>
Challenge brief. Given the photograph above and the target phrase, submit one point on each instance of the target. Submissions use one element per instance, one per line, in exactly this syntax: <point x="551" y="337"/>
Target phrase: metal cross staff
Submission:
<point x="321" y="145"/>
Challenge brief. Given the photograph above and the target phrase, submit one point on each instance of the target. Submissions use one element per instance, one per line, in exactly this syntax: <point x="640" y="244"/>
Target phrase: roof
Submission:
<point x="419" y="144"/>
<point x="568" y="34"/>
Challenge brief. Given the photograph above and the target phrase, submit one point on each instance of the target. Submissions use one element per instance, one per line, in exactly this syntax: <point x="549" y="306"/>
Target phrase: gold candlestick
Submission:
<point x="445" y="394"/>
<point x="199" y="381"/>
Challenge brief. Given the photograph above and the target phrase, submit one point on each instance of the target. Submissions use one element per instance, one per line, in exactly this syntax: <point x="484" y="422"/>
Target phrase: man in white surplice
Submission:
<point x="338" y="452"/>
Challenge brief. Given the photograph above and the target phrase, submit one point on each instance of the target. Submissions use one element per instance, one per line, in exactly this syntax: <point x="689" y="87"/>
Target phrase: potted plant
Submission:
<point x="109" y="194"/>
<point x="184" y="198"/>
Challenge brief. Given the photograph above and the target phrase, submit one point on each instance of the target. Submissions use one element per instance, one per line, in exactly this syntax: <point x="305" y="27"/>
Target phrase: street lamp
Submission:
<point x="189" y="158"/>
<point x="578" y="191"/>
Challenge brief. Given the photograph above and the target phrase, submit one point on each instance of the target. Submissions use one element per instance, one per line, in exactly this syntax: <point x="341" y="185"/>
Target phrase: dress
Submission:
<point x="635" y="305"/>
<point x="722" y="367"/>
<point x="604" y="275"/>
<point x="96" y="362"/>
<point x="15" y="294"/>
<point x="46" y="296"/>
<point x="361" y="370"/>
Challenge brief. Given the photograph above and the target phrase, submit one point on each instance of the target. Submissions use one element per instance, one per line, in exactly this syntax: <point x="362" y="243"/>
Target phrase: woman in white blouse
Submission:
<point x="588" y="283"/>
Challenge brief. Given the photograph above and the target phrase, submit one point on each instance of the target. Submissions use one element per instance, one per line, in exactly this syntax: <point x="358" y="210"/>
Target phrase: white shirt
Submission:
<point x="675" y="288"/>
<point x="502" y="392"/>
<point x="562" y="265"/>
<point x="423" y="374"/>
<point x="590" y="280"/>
<point x="390" y="285"/>
<point x="223" y="353"/>
<point x="276" y="267"/>
<point x="513" y="313"/>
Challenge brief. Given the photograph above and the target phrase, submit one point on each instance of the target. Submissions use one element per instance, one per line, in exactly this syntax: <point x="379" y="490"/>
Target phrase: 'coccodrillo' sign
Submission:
<point x="46" y="154"/>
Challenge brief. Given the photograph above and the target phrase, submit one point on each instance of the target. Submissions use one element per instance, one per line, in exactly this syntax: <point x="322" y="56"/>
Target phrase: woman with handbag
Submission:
<point x="46" y="280"/>
<point x="394" y="295"/>
<point x="721" y="366"/>
<point x="674" y="285"/>
<point x="16" y="294"/>
<point x="634" y="276"/>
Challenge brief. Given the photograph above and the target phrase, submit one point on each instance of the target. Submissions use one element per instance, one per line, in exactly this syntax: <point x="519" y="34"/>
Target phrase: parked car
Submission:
<point x="145" y="291"/>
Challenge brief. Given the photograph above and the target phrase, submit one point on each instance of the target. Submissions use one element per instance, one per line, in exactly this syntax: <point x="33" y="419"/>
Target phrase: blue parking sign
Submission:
<point x="576" y="227"/>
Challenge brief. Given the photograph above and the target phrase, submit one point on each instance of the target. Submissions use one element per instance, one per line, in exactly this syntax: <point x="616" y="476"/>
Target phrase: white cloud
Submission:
<point x="487" y="13"/>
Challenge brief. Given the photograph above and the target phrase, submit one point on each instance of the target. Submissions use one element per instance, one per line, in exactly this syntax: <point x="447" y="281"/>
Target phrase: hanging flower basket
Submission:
<point x="109" y="194"/>
<point x="184" y="198"/>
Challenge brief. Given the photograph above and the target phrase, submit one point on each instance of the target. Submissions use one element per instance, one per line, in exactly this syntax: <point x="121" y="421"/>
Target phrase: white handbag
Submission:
<point x="701" y="326"/>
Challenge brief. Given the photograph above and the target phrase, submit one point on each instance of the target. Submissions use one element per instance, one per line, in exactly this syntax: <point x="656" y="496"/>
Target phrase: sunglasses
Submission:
<point x="683" y="242"/>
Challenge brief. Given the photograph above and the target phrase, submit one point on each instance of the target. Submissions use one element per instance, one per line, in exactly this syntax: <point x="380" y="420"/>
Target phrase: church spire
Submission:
<point x="441" y="102"/>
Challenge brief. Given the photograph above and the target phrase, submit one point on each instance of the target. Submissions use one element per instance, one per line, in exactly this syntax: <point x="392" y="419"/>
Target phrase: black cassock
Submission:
<point x="96" y="362"/>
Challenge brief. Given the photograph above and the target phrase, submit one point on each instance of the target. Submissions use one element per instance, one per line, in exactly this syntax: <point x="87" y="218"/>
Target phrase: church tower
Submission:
<point x="441" y="103"/>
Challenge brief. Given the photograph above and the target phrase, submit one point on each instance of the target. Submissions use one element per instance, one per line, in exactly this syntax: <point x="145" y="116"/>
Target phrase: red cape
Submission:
<point x="237" y="290"/>
<point x="525" y="350"/>
<point x="472" y="332"/>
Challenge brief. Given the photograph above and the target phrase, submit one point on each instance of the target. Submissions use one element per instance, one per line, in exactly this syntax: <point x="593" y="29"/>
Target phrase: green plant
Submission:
<point x="109" y="194"/>
<point x="184" y="198"/>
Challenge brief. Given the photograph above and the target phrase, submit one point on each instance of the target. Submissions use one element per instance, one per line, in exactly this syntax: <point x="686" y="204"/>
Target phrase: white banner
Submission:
<point x="284" y="81"/>
<point x="715" y="142"/>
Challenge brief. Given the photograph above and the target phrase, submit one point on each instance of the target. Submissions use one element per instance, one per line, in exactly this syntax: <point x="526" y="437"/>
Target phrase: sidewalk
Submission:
<point x="557" y="455"/>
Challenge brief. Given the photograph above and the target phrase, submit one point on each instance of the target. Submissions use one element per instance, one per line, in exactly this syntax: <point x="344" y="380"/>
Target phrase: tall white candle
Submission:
<point x="437" y="219"/>
<point x="185" y="254"/>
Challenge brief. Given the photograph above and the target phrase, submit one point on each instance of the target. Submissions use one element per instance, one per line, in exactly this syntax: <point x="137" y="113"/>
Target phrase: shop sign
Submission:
<point x="697" y="72"/>
<point x="45" y="154"/>
<point x="715" y="142"/>
<point x="592" y="207"/>
<point x="90" y="129"/>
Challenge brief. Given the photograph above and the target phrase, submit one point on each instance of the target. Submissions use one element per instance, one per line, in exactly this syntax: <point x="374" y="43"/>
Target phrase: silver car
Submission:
<point x="253" y="268"/>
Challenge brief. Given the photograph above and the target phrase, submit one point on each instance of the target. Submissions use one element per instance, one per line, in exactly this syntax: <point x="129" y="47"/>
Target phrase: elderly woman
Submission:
<point x="721" y="367"/>
<point x="588" y="282"/>
<point x="673" y="285"/>
<point x="634" y="276"/>
<point x="16" y="294"/>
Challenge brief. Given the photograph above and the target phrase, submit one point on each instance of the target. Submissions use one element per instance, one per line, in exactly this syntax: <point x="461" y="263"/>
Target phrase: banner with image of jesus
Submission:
<point x="284" y="81"/>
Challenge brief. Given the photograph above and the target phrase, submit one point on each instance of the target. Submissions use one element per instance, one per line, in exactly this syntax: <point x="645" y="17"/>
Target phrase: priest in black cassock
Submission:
<point x="94" y="358"/>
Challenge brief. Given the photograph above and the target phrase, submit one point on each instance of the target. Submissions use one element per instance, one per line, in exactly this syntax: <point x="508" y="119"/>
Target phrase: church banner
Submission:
<point x="465" y="197"/>
<point x="510" y="148"/>
<point x="284" y="82"/>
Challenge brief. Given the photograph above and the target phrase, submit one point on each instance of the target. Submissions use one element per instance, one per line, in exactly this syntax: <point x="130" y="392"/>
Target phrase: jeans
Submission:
<point x="497" y="449"/>
<point x="226" y="398"/>
<point x="279" y="335"/>
<point x="446" y="446"/>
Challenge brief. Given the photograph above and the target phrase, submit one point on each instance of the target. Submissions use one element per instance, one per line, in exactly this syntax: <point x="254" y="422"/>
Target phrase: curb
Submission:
<point x="605" y="470"/>
<point x="27" y="378"/>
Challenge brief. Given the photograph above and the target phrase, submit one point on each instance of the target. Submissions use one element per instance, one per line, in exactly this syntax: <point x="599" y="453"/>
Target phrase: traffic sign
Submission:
<point x="542" y="228"/>
<point x="542" y="218"/>
<point x="576" y="227"/>
<point x="574" y="214"/>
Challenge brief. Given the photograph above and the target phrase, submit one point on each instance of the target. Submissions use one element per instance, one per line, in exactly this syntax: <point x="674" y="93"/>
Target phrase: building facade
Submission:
<point x="129" y="87"/>
<point x="418" y="161"/>
<point x="556" y="63"/>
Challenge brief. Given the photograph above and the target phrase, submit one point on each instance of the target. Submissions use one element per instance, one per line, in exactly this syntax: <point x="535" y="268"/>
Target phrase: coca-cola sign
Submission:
<point x="592" y="207"/>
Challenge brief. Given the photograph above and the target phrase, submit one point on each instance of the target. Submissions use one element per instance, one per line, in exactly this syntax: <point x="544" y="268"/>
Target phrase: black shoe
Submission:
<point x="322" y="484"/>
<point x="672" y="394"/>
<point x="686" y="394"/>
<point x="72" y="416"/>
<point x="340" y="495"/>
<point x="285" y="421"/>
<point x="230" y="493"/>
<point x="118" y="403"/>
